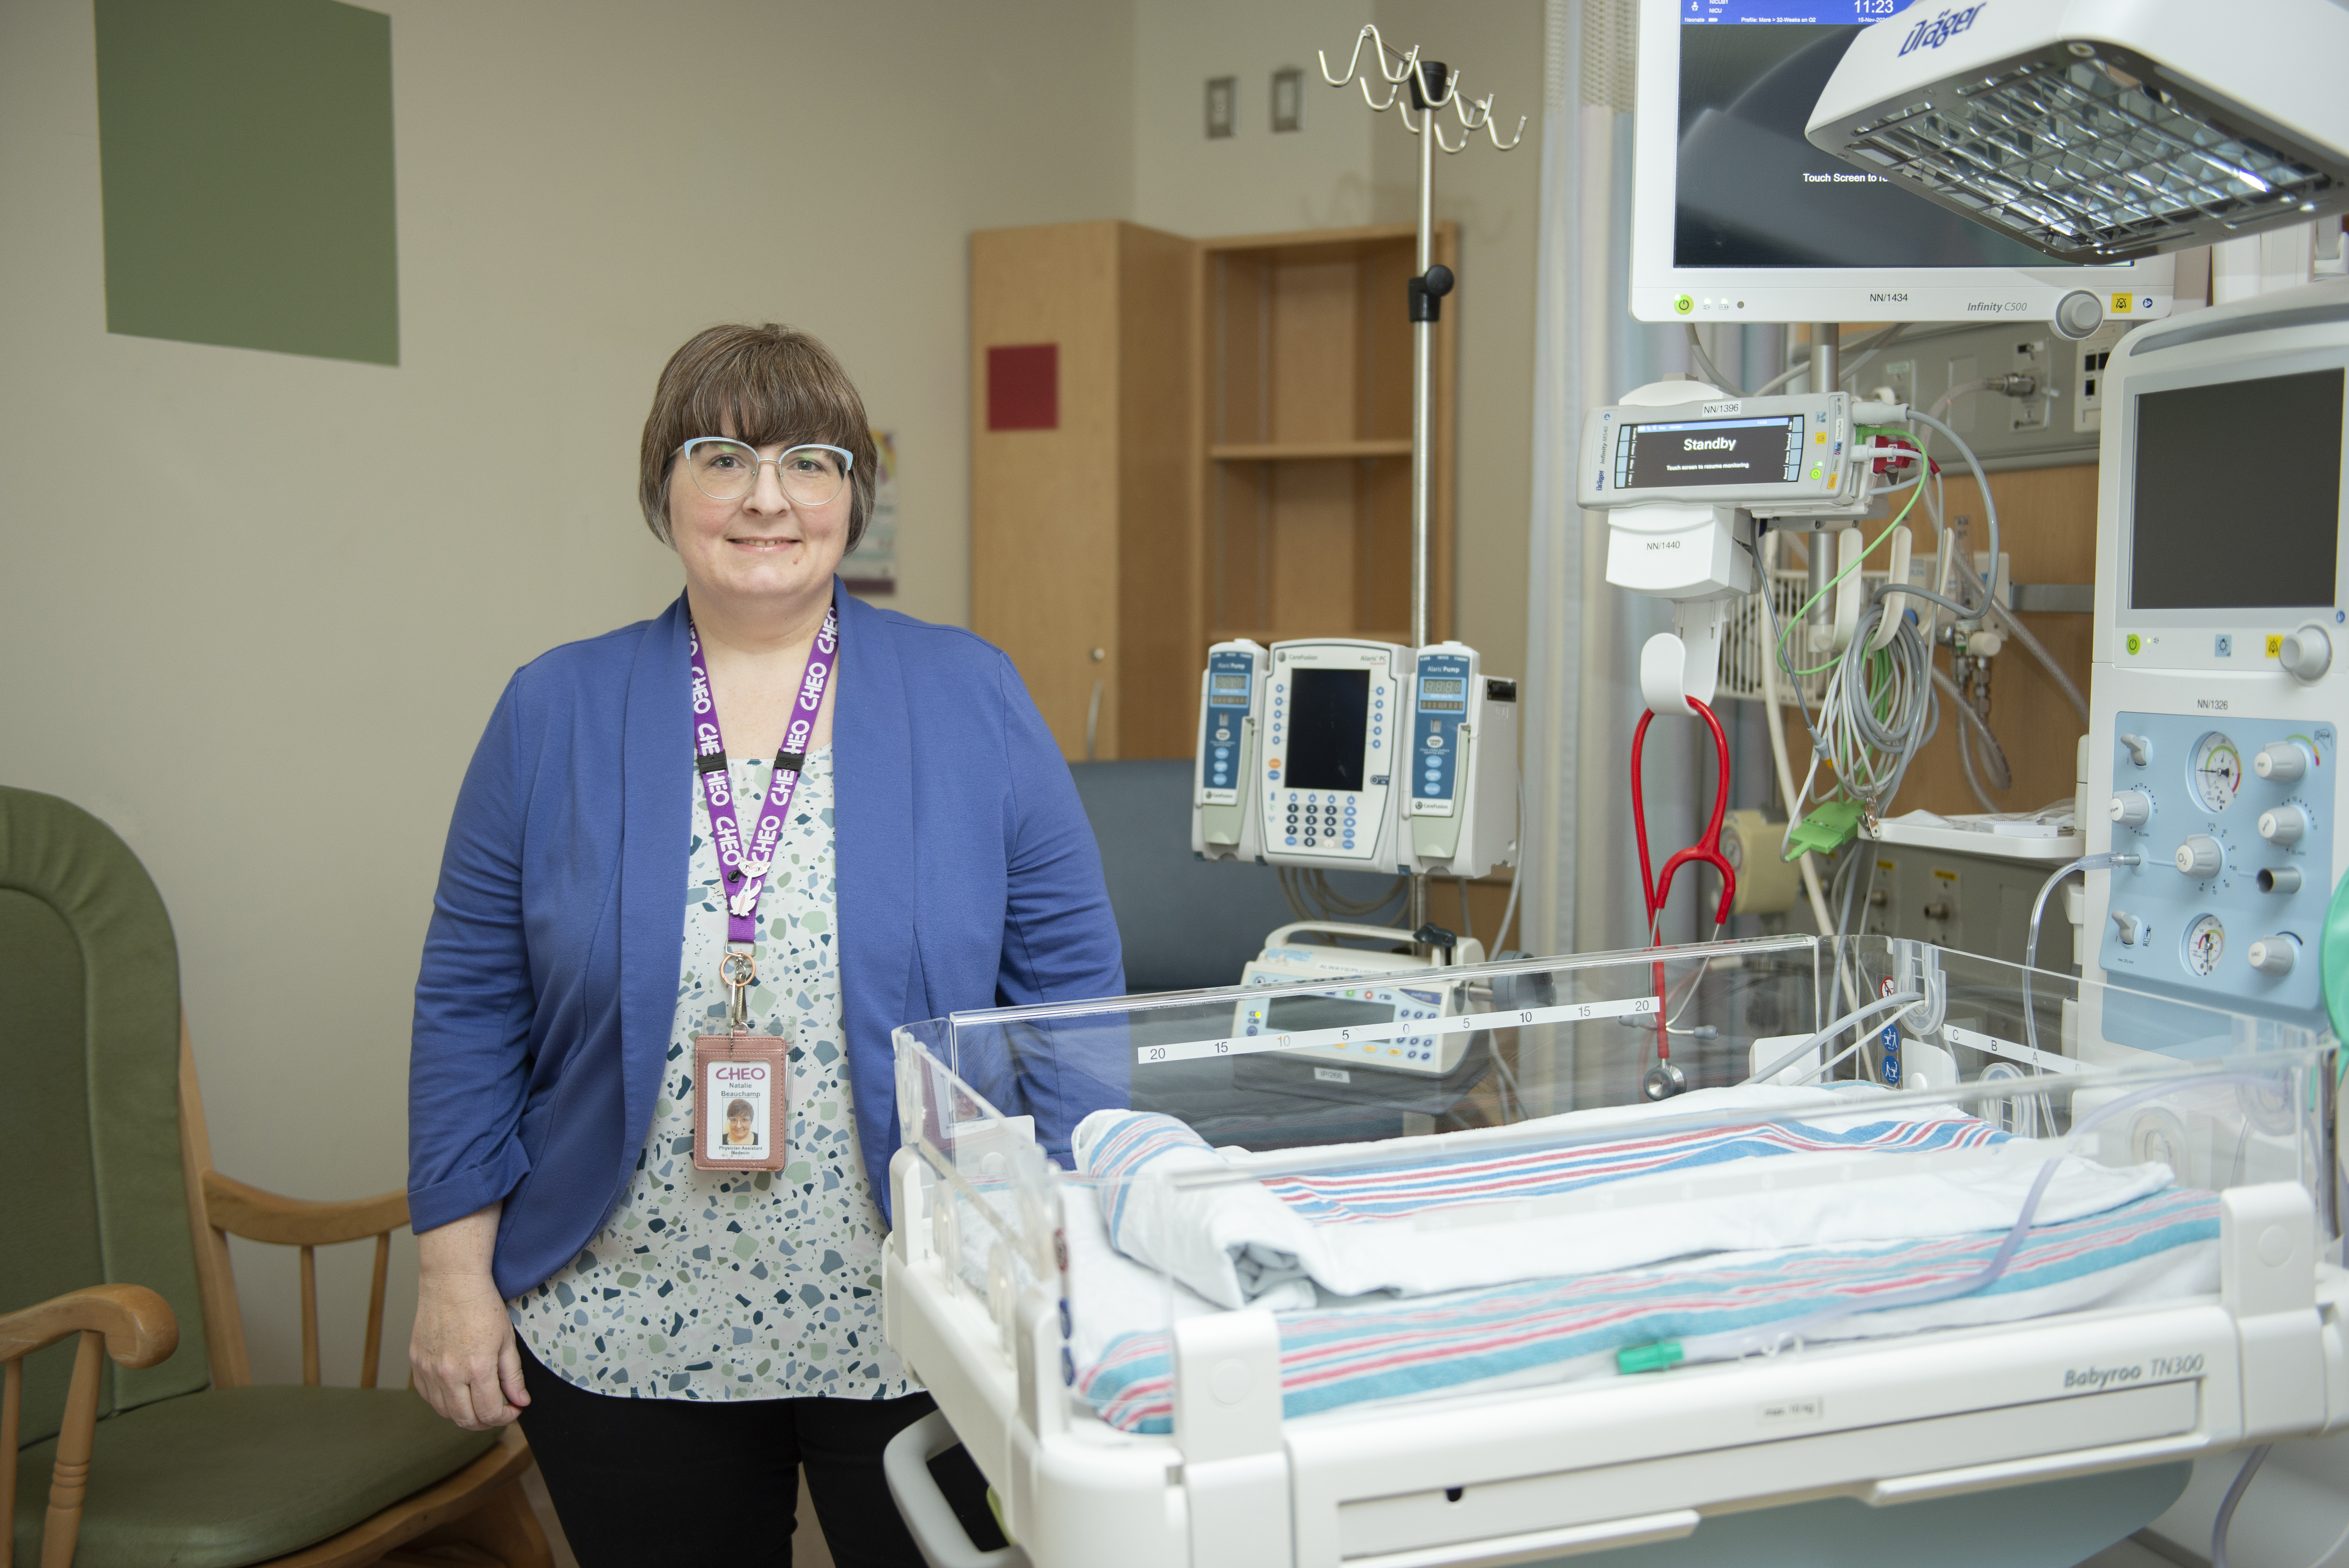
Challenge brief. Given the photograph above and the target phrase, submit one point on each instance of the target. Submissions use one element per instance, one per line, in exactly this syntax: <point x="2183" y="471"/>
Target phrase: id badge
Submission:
<point x="738" y="1090"/>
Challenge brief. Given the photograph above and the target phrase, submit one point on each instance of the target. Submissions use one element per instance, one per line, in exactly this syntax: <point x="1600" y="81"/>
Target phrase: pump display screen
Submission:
<point x="1235" y="685"/>
<point x="1295" y="1015"/>
<point x="1444" y="694"/>
<point x="1329" y="714"/>
<point x="1709" y="453"/>
<point x="2237" y="503"/>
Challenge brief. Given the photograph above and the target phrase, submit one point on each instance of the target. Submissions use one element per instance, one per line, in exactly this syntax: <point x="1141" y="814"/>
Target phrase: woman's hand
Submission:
<point x="462" y="1352"/>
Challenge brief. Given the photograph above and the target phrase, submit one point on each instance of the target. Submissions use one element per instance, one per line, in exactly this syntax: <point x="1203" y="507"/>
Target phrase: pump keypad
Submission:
<point x="1440" y="710"/>
<point x="1340" y="823"/>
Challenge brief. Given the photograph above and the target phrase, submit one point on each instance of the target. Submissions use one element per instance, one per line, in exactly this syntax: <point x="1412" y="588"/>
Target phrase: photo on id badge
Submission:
<point x="736" y="1120"/>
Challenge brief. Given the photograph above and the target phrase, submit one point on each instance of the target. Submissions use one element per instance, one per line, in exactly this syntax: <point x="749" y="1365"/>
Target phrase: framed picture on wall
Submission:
<point x="872" y="566"/>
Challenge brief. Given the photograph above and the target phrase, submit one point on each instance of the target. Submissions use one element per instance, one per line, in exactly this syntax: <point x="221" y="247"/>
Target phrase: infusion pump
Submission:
<point x="1374" y="990"/>
<point x="2220" y="693"/>
<point x="1341" y="754"/>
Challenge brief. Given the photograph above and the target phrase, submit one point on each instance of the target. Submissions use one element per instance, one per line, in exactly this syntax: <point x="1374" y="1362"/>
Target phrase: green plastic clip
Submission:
<point x="1825" y="830"/>
<point x="1653" y="1357"/>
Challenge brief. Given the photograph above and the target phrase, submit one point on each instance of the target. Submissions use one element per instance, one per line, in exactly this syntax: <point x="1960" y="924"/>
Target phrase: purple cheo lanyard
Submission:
<point x="748" y="864"/>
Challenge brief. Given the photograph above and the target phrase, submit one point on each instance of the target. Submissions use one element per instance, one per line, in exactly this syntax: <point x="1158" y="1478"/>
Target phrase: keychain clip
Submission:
<point x="739" y="970"/>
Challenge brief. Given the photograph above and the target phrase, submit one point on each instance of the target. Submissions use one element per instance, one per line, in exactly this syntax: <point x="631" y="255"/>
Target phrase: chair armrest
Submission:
<point x="258" y="1216"/>
<point x="138" y="1324"/>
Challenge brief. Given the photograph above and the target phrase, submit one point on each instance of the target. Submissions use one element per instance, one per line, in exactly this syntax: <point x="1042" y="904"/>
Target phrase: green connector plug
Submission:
<point x="1825" y="830"/>
<point x="1653" y="1357"/>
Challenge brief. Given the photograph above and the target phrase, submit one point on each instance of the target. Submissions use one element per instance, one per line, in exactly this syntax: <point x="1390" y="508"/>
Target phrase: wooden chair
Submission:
<point x="114" y="1233"/>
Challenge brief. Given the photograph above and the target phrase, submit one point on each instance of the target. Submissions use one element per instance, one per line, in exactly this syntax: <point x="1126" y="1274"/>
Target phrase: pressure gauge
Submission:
<point x="2206" y="943"/>
<point x="2216" y="771"/>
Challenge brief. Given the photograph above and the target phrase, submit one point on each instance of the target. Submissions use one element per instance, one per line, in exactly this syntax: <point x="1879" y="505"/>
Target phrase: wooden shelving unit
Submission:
<point x="1304" y="506"/>
<point x="1230" y="456"/>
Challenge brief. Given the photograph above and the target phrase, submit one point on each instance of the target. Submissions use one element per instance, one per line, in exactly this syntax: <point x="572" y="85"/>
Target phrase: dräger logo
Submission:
<point x="1932" y="35"/>
<point x="1691" y="444"/>
<point x="2101" y="1377"/>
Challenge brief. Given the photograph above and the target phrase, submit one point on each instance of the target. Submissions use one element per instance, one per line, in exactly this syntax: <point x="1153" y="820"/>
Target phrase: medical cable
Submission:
<point x="1981" y="483"/>
<point x="1735" y="1344"/>
<point x="1774" y="721"/>
<point x="2084" y="864"/>
<point x="1703" y="362"/>
<point x="2225" y="1519"/>
<point x="1941" y="405"/>
<point x="1836" y="582"/>
<point x="1901" y="999"/>
<point x="2002" y="776"/>
<point x="1878" y="710"/>
<point x="2022" y="634"/>
<point x="1825" y="1068"/>
<point x="1865" y="350"/>
<point x="1516" y="877"/>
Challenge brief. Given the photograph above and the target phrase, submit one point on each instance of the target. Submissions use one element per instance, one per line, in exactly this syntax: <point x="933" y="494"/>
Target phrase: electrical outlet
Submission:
<point x="2033" y="412"/>
<point x="1901" y="377"/>
<point x="2091" y="356"/>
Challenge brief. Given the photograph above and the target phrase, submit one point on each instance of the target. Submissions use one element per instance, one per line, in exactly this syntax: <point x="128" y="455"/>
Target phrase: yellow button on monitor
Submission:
<point x="2122" y="304"/>
<point x="2275" y="646"/>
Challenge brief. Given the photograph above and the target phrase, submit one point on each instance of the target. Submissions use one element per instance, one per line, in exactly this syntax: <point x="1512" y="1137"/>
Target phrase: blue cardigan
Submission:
<point x="968" y="878"/>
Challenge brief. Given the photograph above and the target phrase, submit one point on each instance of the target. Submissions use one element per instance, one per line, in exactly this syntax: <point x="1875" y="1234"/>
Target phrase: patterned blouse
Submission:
<point x="741" y="1284"/>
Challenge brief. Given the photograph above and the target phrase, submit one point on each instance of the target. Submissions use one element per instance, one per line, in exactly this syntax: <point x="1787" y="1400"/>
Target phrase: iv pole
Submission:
<point x="1431" y="86"/>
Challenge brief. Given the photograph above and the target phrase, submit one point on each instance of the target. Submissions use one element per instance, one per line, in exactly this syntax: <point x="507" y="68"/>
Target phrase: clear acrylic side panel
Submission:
<point x="2223" y="1098"/>
<point x="1695" y="1129"/>
<point x="989" y="1197"/>
<point x="1305" y="1064"/>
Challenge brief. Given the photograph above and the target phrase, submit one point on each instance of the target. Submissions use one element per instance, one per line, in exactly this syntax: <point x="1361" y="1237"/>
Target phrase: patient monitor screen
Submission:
<point x="1329" y="714"/>
<point x="2237" y="503"/>
<point x="1751" y="193"/>
<point x="1709" y="453"/>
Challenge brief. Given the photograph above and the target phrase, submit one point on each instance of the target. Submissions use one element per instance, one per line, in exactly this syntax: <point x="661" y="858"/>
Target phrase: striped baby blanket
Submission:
<point x="2153" y="1248"/>
<point x="1587" y="1192"/>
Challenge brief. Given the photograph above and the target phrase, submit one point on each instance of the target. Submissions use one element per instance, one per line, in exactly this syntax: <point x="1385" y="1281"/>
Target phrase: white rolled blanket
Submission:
<point x="1728" y="1170"/>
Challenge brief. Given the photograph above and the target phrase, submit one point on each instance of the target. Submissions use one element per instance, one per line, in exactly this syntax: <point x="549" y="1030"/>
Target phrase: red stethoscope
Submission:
<point x="1665" y="1079"/>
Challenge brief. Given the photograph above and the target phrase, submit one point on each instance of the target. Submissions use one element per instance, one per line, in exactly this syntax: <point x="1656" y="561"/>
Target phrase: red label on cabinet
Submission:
<point x="1023" y="387"/>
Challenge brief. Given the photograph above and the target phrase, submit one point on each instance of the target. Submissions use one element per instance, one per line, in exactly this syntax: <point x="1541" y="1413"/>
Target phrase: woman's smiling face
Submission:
<point x="762" y="547"/>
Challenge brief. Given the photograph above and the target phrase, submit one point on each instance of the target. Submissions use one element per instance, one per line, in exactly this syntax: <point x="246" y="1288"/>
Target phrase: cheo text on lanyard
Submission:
<point x="747" y="861"/>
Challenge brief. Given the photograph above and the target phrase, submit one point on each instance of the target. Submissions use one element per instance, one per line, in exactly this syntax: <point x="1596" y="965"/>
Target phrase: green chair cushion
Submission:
<point x="89" y="1094"/>
<point x="232" y="1476"/>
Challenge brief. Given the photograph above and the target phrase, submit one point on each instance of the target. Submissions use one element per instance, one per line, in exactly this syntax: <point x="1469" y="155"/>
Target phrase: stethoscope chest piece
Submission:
<point x="1664" y="1080"/>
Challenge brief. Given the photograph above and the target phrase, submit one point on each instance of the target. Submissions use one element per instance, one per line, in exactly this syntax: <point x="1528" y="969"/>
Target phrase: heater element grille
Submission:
<point x="2089" y="160"/>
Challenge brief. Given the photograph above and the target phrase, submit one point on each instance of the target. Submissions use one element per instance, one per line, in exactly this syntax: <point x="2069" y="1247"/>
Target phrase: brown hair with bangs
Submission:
<point x="772" y="384"/>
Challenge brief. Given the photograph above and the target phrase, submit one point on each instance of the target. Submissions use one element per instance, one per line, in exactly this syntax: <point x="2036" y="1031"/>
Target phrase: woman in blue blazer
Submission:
<point x="915" y="847"/>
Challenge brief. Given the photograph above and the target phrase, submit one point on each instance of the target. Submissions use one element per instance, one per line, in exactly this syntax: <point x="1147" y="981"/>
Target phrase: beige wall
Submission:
<point x="260" y="631"/>
<point x="1317" y="177"/>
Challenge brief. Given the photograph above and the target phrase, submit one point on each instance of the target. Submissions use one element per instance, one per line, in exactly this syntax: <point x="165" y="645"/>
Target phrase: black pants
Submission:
<point x="640" y="1483"/>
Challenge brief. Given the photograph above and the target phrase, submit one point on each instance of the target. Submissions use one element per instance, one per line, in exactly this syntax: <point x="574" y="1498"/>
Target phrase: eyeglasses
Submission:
<point x="727" y="469"/>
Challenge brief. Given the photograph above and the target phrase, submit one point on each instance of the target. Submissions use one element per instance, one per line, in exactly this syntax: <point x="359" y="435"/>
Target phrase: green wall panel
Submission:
<point x="247" y="157"/>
